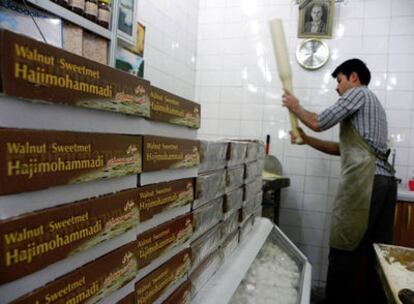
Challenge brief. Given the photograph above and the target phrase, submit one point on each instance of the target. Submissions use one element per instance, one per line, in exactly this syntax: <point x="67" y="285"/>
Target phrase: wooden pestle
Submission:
<point x="283" y="65"/>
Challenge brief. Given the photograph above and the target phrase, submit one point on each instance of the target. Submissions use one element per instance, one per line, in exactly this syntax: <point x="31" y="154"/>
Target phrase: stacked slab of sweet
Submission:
<point x="97" y="173"/>
<point x="229" y="182"/>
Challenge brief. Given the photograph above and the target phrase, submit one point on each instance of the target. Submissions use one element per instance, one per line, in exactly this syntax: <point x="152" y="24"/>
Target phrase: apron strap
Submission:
<point x="384" y="158"/>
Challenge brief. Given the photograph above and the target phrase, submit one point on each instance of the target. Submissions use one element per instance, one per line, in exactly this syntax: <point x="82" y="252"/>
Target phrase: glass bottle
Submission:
<point x="91" y="10"/>
<point x="64" y="3"/>
<point x="104" y="13"/>
<point x="78" y="6"/>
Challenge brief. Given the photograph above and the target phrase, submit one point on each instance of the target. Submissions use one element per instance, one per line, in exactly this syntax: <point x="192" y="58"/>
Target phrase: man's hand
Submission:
<point x="290" y="101"/>
<point x="302" y="135"/>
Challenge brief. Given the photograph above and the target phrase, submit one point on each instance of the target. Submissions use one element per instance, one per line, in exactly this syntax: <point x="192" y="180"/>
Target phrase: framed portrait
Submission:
<point x="127" y="21"/>
<point x="316" y="18"/>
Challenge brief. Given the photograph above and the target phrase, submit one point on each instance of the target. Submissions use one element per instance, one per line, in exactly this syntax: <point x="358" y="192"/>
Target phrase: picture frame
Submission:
<point x="129" y="62"/>
<point x="139" y="46"/>
<point x="316" y="19"/>
<point x="127" y="21"/>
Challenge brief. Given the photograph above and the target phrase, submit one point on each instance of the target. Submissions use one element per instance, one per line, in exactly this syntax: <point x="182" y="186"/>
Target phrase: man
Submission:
<point x="316" y="26"/>
<point x="364" y="206"/>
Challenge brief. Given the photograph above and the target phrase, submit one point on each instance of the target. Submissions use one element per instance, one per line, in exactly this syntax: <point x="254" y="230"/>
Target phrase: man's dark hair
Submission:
<point x="354" y="65"/>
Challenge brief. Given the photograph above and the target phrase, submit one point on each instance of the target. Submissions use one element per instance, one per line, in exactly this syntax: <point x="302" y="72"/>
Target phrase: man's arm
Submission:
<point x="309" y="119"/>
<point x="328" y="147"/>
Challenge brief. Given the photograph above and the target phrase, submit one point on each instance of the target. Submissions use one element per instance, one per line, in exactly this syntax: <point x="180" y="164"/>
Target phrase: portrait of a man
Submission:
<point x="315" y="19"/>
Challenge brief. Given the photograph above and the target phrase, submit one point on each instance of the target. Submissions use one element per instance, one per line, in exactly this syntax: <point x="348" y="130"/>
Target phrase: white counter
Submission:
<point x="404" y="194"/>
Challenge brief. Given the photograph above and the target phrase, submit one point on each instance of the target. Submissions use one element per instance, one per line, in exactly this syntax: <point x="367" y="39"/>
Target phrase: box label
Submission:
<point x="167" y="107"/>
<point x="31" y="242"/>
<point x="34" y="159"/>
<point x="153" y="243"/>
<point x="37" y="71"/>
<point x="92" y="282"/>
<point x="154" y="199"/>
<point x="169" y="153"/>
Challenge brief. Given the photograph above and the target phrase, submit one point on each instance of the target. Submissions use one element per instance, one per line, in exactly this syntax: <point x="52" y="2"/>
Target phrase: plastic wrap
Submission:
<point x="207" y="216"/>
<point x="261" y="153"/>
<point x="258" y="211"/>
<point x="236" y="153"/>
<point x="229" y="225"/>
<point x="213" y="155"/>
<point x="208" y="187"/>
<point x="230" y="244"/>
<point x="232" y="201"/>
<point x="246" y="227"/>
<point x="247" y="209"/>
<point x="234" y="177"/>
<point x="252" y="189"/>
<point x="251" y="151"/>
<point x="258" y="199"/>
<point x="200" y="276"/>
<point x="205" y="245"/>
<point x="252" y="171"/>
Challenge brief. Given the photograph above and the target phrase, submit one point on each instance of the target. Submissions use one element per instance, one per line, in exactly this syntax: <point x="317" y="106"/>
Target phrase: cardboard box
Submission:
<point x="157" y="241"/>
<point x="157" y="198"/>
<point x="90" y="283"/>
<point x="252" y="189"/>
<point x="252" y="171"/>
<point x="129" y="299"/>
<point x="232" y="201"/>
<point x="206" y="270"/>
<point x="151" y="287"/>
<point x="39" y="72"/>
<point x="205" y="245"/>
<point x="36" y="159"/>
<point x="213" y="155"/>
<point x="236" y="153"/>
<point x="170" y="108"/>
<point x="229" y="225"/>
<point x="230" y="244"/>
<point x="169" y="153"/>
<point x="234" y="177"/>
<point x="208" y="187"/>
<point x="207" y="216"/>
<point x="33" y="241"/>
<point x="182" y="295"/>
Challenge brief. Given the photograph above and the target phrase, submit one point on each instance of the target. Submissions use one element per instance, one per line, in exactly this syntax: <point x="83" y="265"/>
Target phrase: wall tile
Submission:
<point x="315" y="202"/>
<point x="398" y="118"/>
<point x="229" y="111"/>
<point x="376" y="27"/>
<point x="402" y="8"/>
<point x="251" y="129"/>
<point x="373" y="10"/>
<point x="402" y="26"/>
<point x="292" y="200"/>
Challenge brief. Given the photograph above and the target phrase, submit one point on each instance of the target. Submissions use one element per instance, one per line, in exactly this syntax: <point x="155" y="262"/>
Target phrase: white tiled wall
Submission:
<point x="170" y="45"/>
<point x="240" y="93"/>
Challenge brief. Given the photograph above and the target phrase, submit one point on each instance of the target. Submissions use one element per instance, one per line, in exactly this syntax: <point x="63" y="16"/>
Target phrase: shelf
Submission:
<point x="221" y="287"/>
<point x="72" y="17"/>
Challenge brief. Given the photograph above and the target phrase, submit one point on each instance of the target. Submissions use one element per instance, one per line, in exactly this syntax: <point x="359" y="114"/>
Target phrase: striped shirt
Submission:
<point x="362" y="107"/>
